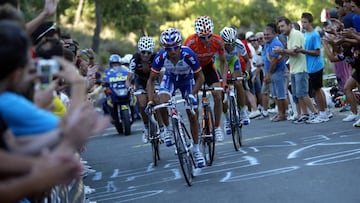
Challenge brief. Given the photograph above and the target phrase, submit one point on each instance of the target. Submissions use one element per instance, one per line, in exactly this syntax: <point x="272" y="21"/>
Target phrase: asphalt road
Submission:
<point x="279" y="162"/>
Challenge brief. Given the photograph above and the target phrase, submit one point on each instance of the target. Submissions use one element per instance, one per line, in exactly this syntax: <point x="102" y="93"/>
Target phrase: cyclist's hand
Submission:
<point x="225" y="86"/>
<point x="149" y="106"/>
<point x="192" y="99"/>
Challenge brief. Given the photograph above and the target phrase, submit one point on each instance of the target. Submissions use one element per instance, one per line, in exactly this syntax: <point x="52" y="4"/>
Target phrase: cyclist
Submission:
<point x="183" y="72"/>
<point x="206" y="44"/>
<point x="233" y="48"/>
<point x="139" y="66"/>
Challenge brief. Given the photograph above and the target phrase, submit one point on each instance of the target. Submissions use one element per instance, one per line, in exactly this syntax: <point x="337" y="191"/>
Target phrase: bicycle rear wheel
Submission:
<point x="236" y="126"/>
<point x="155" y="142"/>
<point x="208" y="136"/>
<point x="185" y="157"/>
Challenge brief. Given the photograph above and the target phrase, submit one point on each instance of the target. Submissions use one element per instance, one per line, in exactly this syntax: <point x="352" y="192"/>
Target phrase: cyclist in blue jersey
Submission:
<point x="183" y="72"/>
<point x="233" y="49"/>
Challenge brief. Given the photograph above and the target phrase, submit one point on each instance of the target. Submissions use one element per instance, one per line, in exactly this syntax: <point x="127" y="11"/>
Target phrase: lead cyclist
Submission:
<point x="233" y="49"/>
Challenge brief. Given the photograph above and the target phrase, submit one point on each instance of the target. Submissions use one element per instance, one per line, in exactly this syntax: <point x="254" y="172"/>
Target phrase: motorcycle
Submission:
<point x="117" y="102"/>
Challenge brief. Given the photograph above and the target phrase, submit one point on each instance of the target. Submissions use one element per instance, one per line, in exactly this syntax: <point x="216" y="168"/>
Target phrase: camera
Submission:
<point x="46" y="68"/>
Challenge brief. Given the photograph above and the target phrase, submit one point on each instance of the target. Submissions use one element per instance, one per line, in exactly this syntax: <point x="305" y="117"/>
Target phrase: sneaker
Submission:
<point x="227" y="127"/>
<point x="265" y="113"/>
<point x="219" y="134"/>
<point x="351" y="117"/>
<point x="301" y="119"/>
<point x="145" y="136"/>
<point x="345" y="108"/>
<point x="357" y="124"/>
<point x="273" y="110"/>
<point x="244" y="116"/>
<point x="318" y="119"/>
<point x="165" y="136"/>
<point x="329" y="114"/>
<point x="254" y="114"/>
<point x="199" y="159"/>
<point x="88" y="190"/>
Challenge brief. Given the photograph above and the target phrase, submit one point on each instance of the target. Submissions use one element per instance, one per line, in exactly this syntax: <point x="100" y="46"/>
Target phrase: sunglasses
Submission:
<point x="253" y="40"/>
<point x="259" y="39"/>
<point x="206" y="37"/>
<point x="146" y="52"/>
<point x="72" y="47"/>
<point x="172" y="48"/>
<point x="229" y="43"/>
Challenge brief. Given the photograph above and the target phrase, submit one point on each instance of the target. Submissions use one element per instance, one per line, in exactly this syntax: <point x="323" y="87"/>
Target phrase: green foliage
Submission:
<point x="120" y="18"/>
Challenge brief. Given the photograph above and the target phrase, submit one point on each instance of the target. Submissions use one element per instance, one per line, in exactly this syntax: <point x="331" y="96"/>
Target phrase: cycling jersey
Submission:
<point x="140" y="75"/>
<point x="232" y="57"/>
<point x="180" y="75"/>
<point x="204" y="53"/>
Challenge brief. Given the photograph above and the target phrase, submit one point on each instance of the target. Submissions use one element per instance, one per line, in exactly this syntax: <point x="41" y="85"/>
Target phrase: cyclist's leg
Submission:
<point x="186" y="89"/>
<point x="142" y="99"/>
<point x="165" y="90"/>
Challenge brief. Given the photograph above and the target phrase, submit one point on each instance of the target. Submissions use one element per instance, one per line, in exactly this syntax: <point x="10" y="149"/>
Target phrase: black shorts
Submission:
<point x="315" y="81"/>
<point x="212" y="75"/>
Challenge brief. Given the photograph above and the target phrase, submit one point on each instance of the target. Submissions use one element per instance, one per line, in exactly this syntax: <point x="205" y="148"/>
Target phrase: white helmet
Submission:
<point x="228" y="34"/>
<point x="170" y="37"/>
<point x="146" y="44"/>
<point x="126" y="59"/>
<point x="204" y="26"/>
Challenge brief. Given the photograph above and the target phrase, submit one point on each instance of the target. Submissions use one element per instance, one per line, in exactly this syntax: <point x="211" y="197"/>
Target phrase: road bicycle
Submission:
<point x="234" y="113"/>
<point x="207" y="137"/>
<point x="182" y="137"/>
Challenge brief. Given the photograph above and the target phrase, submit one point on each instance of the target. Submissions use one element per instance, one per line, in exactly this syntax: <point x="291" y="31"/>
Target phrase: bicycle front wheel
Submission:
<point x="236" y="126"/>
<point x="182" y="139"/>
<point x="155" y="142"/>
<point x="208" y="136"/>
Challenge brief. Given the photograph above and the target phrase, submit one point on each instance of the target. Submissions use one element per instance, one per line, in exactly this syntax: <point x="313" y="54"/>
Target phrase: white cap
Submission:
<point x="248" y="34"/>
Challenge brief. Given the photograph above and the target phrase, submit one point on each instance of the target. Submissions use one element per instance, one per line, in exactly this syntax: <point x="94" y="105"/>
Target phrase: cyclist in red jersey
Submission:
<point x="206" y="44"/>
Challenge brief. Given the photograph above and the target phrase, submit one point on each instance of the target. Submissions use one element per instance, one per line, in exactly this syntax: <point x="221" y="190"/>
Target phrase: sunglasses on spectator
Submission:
<point x="72" y="47"/>
<point x="253" y="40"/>
<point x="146" y="52"/>
<point x="206" y="37"/>
<point x="259" y="39"/>
<point x="172" y="48"/>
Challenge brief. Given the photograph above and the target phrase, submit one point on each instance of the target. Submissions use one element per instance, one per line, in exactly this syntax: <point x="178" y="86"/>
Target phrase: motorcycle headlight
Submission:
<point x="121" y="92"/>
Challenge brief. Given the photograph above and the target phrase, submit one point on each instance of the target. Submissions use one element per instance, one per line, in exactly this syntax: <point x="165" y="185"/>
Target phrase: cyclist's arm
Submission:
<point x="129" y="78"/>
<point x="150" y="85"/>
<point x="223" y="66"/>
<point x="199" y="80"/>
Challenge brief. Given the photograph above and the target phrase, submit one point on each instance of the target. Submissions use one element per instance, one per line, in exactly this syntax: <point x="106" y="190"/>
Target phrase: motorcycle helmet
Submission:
<point x="171" y="37"/>
<point x="114" y="58"/>
<point x="204" y="26"/>
<point x="228" y="34"/>
<point x="146" y="44"/>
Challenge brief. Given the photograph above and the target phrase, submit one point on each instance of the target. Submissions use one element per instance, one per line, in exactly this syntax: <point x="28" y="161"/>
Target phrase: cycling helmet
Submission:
<point x="228" y="34"/>
<point x="146" y="44"/>
<point x="204" y="26"/>
<point x="170" y="37"/>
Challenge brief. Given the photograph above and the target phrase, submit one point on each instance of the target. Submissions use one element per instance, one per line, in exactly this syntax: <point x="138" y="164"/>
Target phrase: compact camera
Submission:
<point x="46" y="68"/>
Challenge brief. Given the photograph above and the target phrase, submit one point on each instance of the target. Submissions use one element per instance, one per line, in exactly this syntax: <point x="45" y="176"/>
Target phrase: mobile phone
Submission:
<point x="45" y="69"/>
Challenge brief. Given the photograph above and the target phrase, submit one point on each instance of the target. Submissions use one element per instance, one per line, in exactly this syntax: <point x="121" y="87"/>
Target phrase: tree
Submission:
<point x="97" y="30"/>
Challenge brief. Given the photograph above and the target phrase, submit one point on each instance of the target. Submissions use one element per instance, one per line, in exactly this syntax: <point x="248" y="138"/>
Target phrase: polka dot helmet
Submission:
<point x="204" y="26"/>
<point x="228" y="34"/>
<point x="170" y="37"/>
<point x="146" y="44"/>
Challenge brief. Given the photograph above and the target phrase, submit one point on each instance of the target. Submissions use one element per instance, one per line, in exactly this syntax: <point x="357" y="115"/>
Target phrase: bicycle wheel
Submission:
<point x="155" y="142"/>
<point x="208" y="136"/>
<point x="236" y="126"/>
<point x="185" y="159"/>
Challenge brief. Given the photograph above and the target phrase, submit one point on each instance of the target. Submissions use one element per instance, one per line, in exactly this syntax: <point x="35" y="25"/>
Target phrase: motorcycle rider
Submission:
<point x="139" y="66"/>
